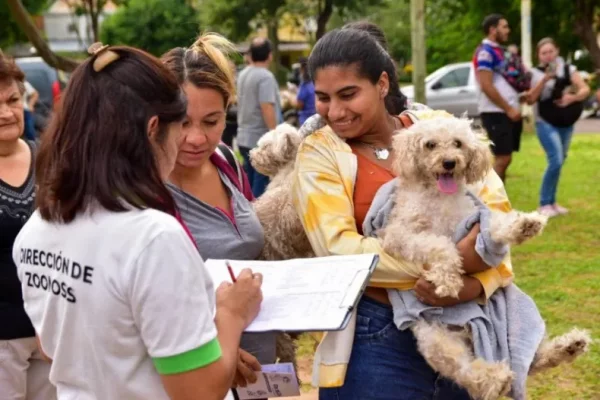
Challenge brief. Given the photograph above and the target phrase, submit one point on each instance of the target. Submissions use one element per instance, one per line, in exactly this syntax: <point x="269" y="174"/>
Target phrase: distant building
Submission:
<point x="294" y="40"/>
<point x="67" y="32"/>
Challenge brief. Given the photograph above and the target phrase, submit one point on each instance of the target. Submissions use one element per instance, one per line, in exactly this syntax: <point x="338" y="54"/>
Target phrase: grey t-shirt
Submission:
<point x="255" y="85"/>
<point x="217" y="237"/>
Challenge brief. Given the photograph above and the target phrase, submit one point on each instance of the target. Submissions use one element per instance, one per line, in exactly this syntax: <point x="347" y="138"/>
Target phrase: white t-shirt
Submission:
<point x="486" y="60"/>
<point x="116" y="298"/>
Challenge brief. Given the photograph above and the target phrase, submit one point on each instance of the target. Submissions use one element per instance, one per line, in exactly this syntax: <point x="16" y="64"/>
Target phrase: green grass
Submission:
<point x="560" y="269"/>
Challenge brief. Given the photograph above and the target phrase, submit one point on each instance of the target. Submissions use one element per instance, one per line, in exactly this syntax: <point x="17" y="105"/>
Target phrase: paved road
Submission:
<point x="585" y="125"/>
<point x="588" y="125"/>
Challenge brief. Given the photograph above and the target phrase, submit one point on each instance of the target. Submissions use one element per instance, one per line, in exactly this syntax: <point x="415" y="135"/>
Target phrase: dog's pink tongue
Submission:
<point x="446" y="184"/>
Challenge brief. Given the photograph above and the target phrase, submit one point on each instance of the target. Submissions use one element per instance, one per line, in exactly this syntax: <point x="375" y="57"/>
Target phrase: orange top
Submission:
<point x="369" y="178"/>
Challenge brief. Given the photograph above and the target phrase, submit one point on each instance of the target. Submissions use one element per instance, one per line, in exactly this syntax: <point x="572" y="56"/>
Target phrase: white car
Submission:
<point x="452" y="88"/>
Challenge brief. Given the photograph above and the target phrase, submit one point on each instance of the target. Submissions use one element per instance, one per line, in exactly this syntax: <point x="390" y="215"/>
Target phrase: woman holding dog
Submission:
<point x="210" y="189"/>
<point x="556" y="110"/>
<point x="338" y="171"/>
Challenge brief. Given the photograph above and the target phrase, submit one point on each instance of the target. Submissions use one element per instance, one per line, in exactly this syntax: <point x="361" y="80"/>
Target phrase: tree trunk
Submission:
<point x="419" y="57"/>
<point x="95" y="9"/>
<point x="323" y="18"/>
<point x="23" y="20"/>
<point x="584" y="28"/>
<point x="272" y="31"/>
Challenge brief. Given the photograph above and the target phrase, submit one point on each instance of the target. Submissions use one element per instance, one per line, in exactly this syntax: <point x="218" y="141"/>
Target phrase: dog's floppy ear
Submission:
<point x="405" y="146"/>
<point x="290" y="147"/>
<point x="481" y="160"/>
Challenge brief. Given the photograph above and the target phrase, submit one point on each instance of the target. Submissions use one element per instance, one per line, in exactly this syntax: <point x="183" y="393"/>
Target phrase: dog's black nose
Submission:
<point x="449" y="164"/>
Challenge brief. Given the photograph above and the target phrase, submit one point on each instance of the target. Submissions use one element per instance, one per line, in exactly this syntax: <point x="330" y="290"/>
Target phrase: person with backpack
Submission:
<point x="211" y="190"/>
<point x="558" y="94"/>
<point x="501" y="80"/>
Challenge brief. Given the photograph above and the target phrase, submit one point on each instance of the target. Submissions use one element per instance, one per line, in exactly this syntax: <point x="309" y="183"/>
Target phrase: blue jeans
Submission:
<point x="555" y="142"/>
<point x="386" y="365"/>
<point x="258" y="182"/>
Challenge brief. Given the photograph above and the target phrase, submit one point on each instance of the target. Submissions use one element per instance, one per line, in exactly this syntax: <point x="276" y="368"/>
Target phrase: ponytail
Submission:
<point x="395" y="101"/>
<point x="205" y="64"/>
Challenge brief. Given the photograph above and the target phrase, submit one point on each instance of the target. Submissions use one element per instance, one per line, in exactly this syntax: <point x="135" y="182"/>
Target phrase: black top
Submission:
<point x="16" y="205"/>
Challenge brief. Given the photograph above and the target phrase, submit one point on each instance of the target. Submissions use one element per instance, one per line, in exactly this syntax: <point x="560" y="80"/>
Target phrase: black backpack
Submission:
<point x="555" y="115"/>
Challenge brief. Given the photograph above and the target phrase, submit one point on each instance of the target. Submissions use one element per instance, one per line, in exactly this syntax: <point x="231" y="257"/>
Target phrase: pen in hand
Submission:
<point x="230" y="271"/>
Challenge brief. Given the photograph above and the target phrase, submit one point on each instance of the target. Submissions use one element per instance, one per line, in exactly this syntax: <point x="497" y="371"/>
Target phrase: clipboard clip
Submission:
<point x="355" y="288"/>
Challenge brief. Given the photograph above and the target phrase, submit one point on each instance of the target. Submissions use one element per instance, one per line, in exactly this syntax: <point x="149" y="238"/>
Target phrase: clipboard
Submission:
<point x="304" y="295"/>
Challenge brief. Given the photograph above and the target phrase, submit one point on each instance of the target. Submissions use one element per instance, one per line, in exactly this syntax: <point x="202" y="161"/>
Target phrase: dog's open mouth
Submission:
<point x="446" y="183"/>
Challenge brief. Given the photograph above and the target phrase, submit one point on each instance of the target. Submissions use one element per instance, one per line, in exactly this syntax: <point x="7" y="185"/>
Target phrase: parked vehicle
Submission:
<point x="49" y="83"/>
<point x="452" y="88"/>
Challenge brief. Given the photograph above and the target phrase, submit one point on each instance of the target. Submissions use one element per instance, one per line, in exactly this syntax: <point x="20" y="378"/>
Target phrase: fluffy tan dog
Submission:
<point x="274" y="157"/>
<point x="435" y="160"/>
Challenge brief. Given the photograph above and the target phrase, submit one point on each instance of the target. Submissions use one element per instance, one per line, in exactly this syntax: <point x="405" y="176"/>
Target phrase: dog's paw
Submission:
<point x="573" y="344"/>
<point x="560" y="350"/>
<point x="527" y="226"/>
<point x="446" y="275"/>
<point x="446" y="284"/>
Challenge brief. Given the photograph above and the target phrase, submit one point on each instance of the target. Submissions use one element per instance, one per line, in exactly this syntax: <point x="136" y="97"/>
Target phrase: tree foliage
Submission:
<point x="152" y="25"/>
<point x="23" y="20"/>
<point x="453" y="27"/>
<point x="10" y="32"/>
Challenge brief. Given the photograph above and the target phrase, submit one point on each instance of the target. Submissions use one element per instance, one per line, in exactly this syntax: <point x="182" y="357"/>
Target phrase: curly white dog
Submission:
<point x="434" y="161"/>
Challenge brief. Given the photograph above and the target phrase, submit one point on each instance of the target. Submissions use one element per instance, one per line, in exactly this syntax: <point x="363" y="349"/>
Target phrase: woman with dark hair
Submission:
<point x="396" y="102"/>
<point x="23" y="372"/>
<point x="372" y="29"/>
<point x="209" y="186"/>
<point x="114" y="286"/>
<point x="339" y="169"/>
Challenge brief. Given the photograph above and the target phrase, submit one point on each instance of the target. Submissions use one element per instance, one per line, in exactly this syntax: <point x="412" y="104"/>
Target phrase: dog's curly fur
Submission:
<point x="274" y="157"/>
<point x="420" y="229"/>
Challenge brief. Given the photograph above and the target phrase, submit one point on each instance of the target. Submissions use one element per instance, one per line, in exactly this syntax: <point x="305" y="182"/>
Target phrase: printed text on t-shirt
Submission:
<point x="57" y="262"/>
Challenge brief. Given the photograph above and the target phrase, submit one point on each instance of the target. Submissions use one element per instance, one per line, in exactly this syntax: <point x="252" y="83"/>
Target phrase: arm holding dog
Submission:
<point x="493" y="195"/>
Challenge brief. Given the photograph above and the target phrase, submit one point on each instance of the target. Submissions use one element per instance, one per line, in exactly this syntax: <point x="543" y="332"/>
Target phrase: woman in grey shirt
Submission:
<point x="213" y="199"/>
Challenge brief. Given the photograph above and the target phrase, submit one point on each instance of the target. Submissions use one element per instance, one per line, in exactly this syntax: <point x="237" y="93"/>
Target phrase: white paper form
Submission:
<point x="303" y="294"/>
<point x="275" y="380"/>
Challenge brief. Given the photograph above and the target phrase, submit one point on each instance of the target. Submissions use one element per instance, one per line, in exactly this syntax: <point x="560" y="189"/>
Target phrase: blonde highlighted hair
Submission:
<point x="205" y="64"/>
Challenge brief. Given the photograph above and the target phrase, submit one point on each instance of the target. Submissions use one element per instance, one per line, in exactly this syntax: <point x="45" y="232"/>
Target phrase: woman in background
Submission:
<point x="554" y="139"/>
